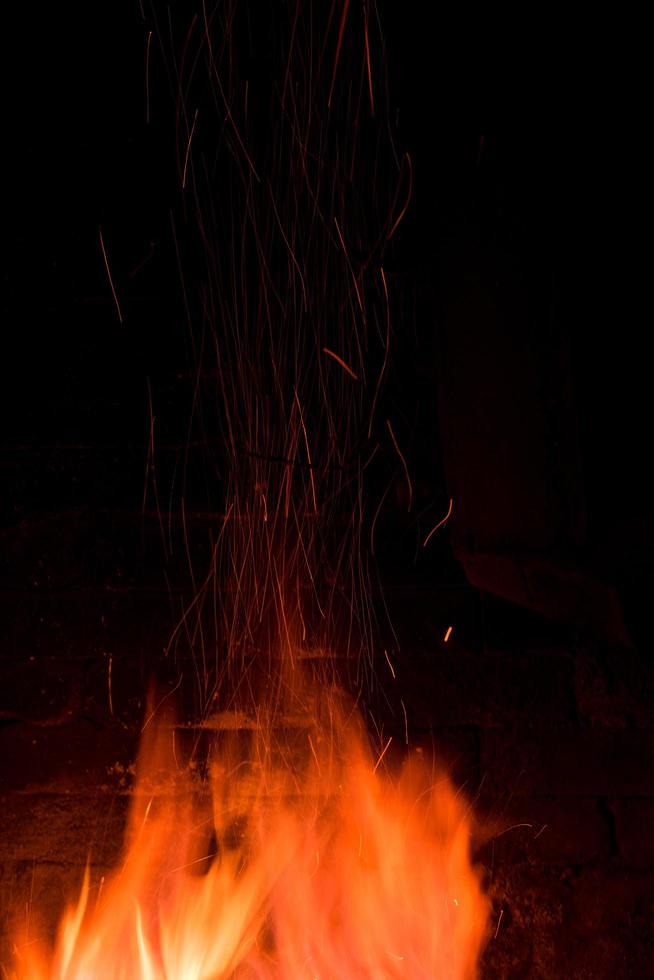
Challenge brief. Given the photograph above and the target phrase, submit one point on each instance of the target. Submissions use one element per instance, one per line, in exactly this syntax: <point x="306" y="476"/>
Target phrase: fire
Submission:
<point x="289" y="849"/>
<point x="288" y="858"/>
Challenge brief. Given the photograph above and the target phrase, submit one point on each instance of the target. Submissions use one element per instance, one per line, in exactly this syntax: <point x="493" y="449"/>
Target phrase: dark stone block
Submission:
<point x="565" y="832"/>
<point x="33" y="896"/>
<point x="614" y="687"/>
<point x="77" y="758"/>
<point x="549" y="923"/>
<point x="83" y="624"/>
<point x="634" y="828"/>
<point x="569" y="763"/>
<point x="526" y="930"/>
<point x="609" y="918"/>
<point x="448" y="685"/>
<point x="69" y="829"/>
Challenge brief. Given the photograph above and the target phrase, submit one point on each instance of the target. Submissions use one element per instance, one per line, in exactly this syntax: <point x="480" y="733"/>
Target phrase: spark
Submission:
<point x="111" y="282"/>
<point x="515" y="826"/>
<point x="386" y="351"/>
<point x="374" y="520"/>
<point x="147" y="77"/>
<point x="499" y="922"/>
<point x="390" y="665"/>
<point x="384" y="751"/>
<point x="306" y="445"/>
<point x="403" y="210"/>
<point x="221" y="90"/>
<point x="190" y="864"/>
<point x="448" y="633"/>
<point x="404" y="464"/>
<point x="288" y="246"/>
<point x="347" y="259"/>
<point x="313" y="752"/>
<point x="188" y="149"/>
<point x="341" y="31"/>
<point x="440" y="524"/>
<point x="406" y="723"/>
<point x="368" y="69"/>
<point x="111" y="703"/>
<point x="339" y="360"/>
<point x="100" y="887"/>
<point x="164" y="698"/>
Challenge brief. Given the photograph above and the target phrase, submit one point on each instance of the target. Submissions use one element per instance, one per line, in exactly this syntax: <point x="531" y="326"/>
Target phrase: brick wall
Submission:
<point x="549" y="732"/>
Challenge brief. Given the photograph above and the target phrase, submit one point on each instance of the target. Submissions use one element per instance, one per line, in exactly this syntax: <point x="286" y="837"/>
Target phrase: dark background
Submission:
<point x="522" y="264"/>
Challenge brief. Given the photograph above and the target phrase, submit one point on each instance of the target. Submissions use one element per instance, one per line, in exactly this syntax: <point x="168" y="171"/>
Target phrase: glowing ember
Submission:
<point x="290" y="860"/>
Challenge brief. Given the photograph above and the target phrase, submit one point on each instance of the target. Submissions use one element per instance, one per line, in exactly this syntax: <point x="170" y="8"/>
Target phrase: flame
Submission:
<point x="289" y="858"/>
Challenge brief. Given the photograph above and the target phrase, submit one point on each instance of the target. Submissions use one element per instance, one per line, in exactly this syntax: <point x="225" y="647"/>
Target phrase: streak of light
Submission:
<point x="100" y="887"/>
<point x="384" y="751"/>
<point x="404" y="464"/>
<point x="341" y="31"/>
<point x="164" y="698"/>
<point x="403" y="210"/>
<point x="515" y="826"/>
<point x="190" y="864"/>
<point x="109" y="277"/>
<point x="290" y="250"/>
<point x="347" y="258"/>
<point x="147" y="77"/>
<point x="221" y="90"/>
<point x="390" y="665"/>
<point x="440" y="524"/>
<point x="313" y="752"/>
<point x="448" y="633"/>
<point x="374" y="520"/>
<point x="339" y="360"/>
<point x="386" y="351"/>
<point x="306" y="445"/>
<point x="368" y="69"/>
<point x="111" y="703"/>
<point x="406" y="723"/>
<point x="188" y="149"/>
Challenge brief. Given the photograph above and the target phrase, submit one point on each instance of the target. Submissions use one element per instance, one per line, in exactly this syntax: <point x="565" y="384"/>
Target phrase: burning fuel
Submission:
<point x="299" y="856"/>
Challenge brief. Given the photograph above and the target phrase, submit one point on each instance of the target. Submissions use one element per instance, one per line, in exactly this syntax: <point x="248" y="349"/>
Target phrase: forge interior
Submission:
<point x="521" y="391"/>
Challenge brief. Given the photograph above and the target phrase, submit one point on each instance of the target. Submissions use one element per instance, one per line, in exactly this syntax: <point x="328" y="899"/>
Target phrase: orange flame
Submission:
<point x="292" y="859"/>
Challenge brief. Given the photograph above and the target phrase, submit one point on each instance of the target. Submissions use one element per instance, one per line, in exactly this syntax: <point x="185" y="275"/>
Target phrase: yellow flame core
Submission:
<point x="294" y="858"/>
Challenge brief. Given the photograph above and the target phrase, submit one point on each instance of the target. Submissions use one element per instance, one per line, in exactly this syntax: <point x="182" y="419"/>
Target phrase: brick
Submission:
<point x="83" y="623"/>
<point x="59" y="828"/>
<point x="614" y="687"/>
<point x="569" y="763"/>
<point x="422" y="615"/>
<point x="609" y="919"/>
<point x="634" y="828"/>
<point x="77" y="758"/>
<point x="33" y="897"/>
<point x="527" y="939"/>
<point x="584" y="926"/>
<point x="563" y="832"/>
<point x="448" y="685"/>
